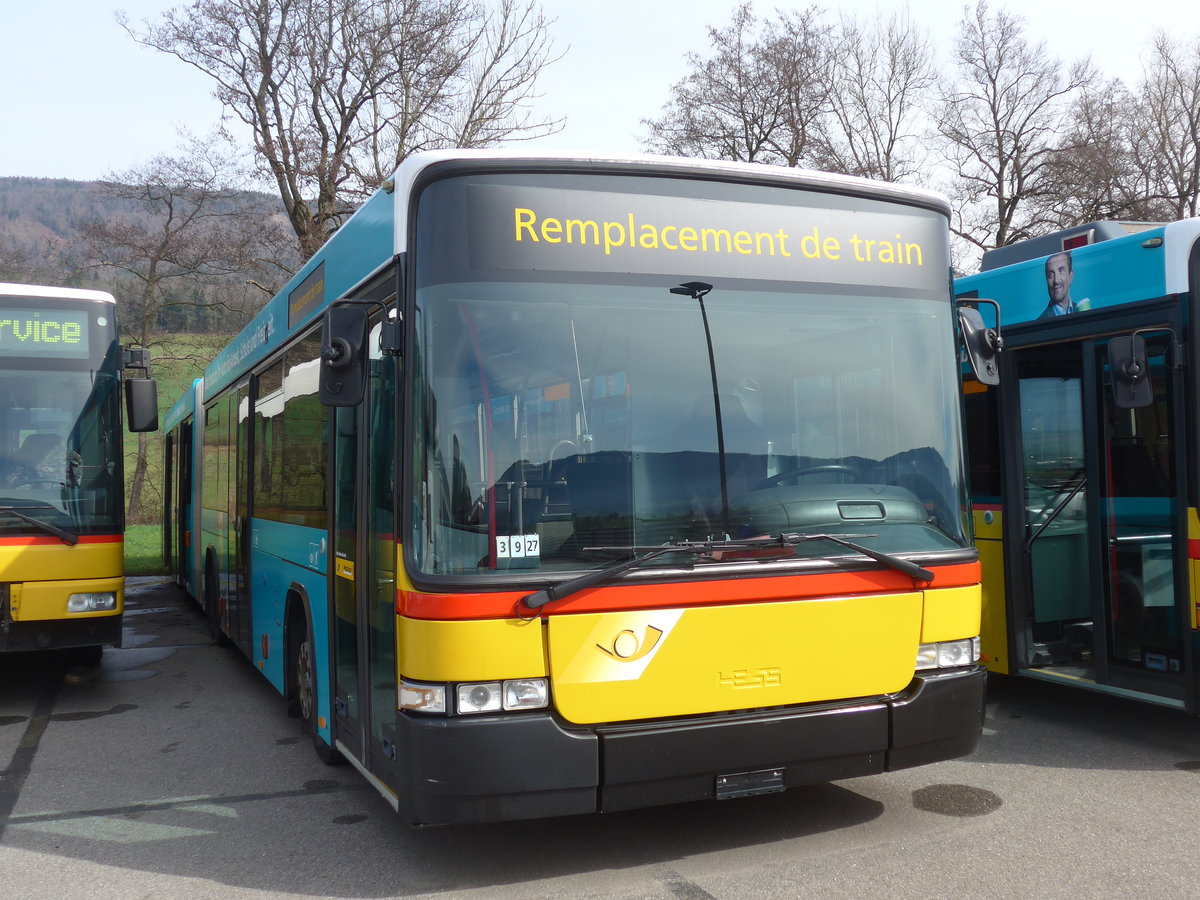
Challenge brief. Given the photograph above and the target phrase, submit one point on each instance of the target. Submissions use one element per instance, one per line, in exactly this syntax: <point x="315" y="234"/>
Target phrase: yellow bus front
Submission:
<point x="59" y="595"/>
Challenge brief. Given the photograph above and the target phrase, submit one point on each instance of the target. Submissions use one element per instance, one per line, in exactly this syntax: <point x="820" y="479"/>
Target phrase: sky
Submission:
<point x="81" y="100"/>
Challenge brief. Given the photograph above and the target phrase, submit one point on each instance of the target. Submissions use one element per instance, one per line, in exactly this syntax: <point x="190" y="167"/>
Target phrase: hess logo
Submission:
<point x="627" y="646"/>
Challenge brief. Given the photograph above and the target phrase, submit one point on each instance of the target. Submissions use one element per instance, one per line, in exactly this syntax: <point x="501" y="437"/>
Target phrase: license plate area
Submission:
<point x="750" y="784"/>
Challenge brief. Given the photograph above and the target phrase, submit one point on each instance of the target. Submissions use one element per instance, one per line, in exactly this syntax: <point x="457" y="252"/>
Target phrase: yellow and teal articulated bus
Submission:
<point x="555" y="485"/>
<point x="62" y="504"/>
<point x="1084" y="460"/>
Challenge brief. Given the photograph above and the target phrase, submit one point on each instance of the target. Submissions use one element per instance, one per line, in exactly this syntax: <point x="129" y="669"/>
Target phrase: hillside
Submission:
<point x="47" y="236"/>
<point x="38" y="222"/>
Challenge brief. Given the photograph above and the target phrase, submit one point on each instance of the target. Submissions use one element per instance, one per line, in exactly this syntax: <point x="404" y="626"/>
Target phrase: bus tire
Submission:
<point x="219" y="637"/>
<point x="87" y="656"/>
<point x="302" y="678"/>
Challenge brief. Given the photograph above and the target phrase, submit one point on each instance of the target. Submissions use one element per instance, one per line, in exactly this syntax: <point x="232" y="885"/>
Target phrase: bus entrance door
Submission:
<point x="1096" y="595"/>
<point x="364" y="583"/>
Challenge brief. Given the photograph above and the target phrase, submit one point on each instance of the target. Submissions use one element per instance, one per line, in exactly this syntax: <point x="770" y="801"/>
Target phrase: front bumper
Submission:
<point x="529" y="766"/>
<point x="58" y="634"/>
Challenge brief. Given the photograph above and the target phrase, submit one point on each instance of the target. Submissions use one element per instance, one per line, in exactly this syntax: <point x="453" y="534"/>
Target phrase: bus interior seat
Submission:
<point x="37" y="446"/>
<point x="33" y="453"/>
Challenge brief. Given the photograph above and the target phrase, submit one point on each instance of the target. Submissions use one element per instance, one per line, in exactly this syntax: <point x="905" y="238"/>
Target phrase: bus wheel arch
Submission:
<point x="300" y="673"/>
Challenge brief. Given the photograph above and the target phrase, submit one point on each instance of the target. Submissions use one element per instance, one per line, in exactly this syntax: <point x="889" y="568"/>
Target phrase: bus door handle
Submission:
<point x="1139" y="539"/>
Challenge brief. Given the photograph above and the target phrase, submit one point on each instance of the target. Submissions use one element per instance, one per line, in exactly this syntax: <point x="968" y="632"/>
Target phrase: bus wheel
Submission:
<point x="303" y="700"/>
<point x="210" y="604"/>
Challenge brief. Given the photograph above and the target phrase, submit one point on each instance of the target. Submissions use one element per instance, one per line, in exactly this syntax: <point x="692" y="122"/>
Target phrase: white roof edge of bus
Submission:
<point x="184" y="406"/>
<point x="410" y="169"/>
<point x="1179" y="238"/>
<point x="8" y="289"/>
<point x="413" y="166"/>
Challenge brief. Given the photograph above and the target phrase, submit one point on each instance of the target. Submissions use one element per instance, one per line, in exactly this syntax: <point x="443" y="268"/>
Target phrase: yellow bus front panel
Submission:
<point x="38" y="559"/>
<point x="989" y="533"/>
<point x="608" y="667"/>
<point x="470" y="650"/>
<point x="61" y="595"/>
<point x="646" y="664"/>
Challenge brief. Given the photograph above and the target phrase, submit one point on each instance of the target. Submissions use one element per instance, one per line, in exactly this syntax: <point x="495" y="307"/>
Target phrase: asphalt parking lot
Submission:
<point x="172" y="770"/>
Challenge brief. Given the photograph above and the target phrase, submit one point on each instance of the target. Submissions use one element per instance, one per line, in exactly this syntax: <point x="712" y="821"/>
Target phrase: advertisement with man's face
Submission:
<point x="1071" y="282"/>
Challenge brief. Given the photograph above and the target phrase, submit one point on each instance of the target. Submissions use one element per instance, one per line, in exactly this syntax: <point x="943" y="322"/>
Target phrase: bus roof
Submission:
<point x="8" y="289"/>
<point x="1057" y="241"/>
<point x="412" y="167"/>
<point x="182" y="408"/>
<point x="1138" y="265"/>
<point x="377" y="232"/>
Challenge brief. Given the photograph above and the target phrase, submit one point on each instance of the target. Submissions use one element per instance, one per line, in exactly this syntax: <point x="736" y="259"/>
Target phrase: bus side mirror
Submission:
<point x="343" y="375"/>
<point x="1130" y="372"/>
<point x="141" y="404"/>
<point x="983" y="344"/>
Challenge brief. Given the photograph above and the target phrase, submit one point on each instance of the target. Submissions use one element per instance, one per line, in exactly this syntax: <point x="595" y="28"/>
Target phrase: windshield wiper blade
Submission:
<point x="917" y="573"/>
<point x="67" y="537"/>
<point x="538" y="599"/>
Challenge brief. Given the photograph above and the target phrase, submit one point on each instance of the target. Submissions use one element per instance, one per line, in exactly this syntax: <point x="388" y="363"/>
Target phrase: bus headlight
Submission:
<point x="948" y="654"/>
<point x="426" y="698"/>
<point x="478" y="698"/>
<point x="493" y="696"/>
<point x="526" y="693"/>
<point x="102" y="601"/>
<point x="475" y="697"/>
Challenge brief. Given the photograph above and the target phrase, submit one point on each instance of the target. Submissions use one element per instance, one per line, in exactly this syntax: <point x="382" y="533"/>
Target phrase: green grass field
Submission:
<point x="143" y="550"/>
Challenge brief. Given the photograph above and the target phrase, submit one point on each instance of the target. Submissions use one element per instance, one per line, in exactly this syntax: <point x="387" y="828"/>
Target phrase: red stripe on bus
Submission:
<point x="1193" y="549"/>
<point x="30" y="540"/>
<point x="421" y="605"/>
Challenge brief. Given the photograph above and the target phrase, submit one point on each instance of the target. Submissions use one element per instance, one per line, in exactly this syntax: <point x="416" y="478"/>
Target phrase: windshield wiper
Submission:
<point x="702" y="549"/>
<point x="67" y="537"/>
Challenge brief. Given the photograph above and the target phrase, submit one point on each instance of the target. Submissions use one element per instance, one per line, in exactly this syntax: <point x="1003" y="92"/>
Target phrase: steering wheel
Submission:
<point x="564" y="442"/>
<point x="829" y="468"/>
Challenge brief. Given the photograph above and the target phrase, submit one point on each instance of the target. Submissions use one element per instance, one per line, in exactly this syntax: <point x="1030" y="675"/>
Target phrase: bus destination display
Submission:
<point x="43" y="333"/>
<point x="578" y="230"/>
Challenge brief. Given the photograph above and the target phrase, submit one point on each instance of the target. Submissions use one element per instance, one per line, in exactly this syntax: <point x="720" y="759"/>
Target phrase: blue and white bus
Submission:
<point x="1084" y="460"/>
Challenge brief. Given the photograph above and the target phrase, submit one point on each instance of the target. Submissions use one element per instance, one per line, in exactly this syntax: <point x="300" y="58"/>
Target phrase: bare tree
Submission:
<point x="1003" y="119"/>
<point x="1096" y="176"/>
<point x="189" y="223"/>
<point x="883" y="73"/>
<point x="337" y="92"/>
<point x="757" y="97"/>
<point x="18" y="263"/>
<point x="1134" y="155"/>
<point x="1165" y="134"/>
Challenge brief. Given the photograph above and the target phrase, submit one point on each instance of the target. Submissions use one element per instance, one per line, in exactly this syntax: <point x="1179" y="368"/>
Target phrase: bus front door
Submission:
<point x="364" y="590"/>
<point x="1096" y="559"/>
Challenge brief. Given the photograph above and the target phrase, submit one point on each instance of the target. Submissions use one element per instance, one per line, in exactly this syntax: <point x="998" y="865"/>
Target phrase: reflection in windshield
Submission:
<point x="58" y="450"/>
<point x="556" y="418"/>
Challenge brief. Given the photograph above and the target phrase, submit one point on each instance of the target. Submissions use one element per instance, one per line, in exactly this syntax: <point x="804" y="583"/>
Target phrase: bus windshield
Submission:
<point x="557" y="418"/>
<point x="60" y="440"/>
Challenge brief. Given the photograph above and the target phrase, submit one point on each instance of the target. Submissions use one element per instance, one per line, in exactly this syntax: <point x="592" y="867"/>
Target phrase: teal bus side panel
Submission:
<point x="283" y="557"/>
<point x="362" y="246"/>
<point x="1110" y="273"/>
<point x="191" y="578"/>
